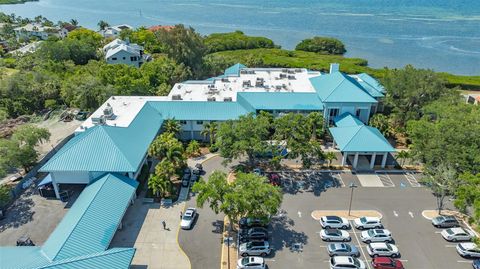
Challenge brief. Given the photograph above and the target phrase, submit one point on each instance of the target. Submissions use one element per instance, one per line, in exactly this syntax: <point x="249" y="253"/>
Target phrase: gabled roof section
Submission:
<point x="347" y="120"/>
<point x="22" y="257"/>
<point x="340" y="88"/>
<point x="280" y="100"/>
<point x="115" y="258"/>
<point x="351" y="135"/>
<point x="234" y="70"/>
<point x="372" y="82"/>
<point x="200" y="110"/>
<point x="109" y="148"/>
<point x="92" y="221"/>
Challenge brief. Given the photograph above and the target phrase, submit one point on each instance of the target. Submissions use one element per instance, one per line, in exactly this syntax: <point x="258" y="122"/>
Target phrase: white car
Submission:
<point x="346" y="262"/>
<point x="334" y="222"/>
<point x="376" y="235"/>
<point x="468" y="250"/>
<point x="383" y="250"/>
<point x="367" y="223"/>
<point x="188" y="218"/>
<point x="456" y="234"/>
<point x="251" y="263"/>
<point x="334" y="235"/>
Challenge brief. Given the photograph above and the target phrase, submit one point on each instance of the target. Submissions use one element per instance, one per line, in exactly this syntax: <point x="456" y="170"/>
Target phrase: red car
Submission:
<point x="386" y="263"/>
<point x="274" y="179"/>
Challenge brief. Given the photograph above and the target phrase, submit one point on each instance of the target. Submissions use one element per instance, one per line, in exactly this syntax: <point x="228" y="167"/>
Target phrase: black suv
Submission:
<point x="246" y="223"/>
<point x="254" y="234"/>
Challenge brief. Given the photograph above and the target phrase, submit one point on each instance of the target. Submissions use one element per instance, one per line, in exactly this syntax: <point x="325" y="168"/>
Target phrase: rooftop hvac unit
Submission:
<point x="243" y="72"/>
<point x="291" y="77"/>
<point x="99" y="120"/>
<point x="108" y="112"/>
<point x="227" y="99"/>
<point x="211" y="99"/>
<point x="284" y="70"/>
<point x="176" y="97"/>
<point x="283" y="75"/>
<point x="298" y="70"/>
<point x="291" y="71"/>
<point x="225" y="80"/>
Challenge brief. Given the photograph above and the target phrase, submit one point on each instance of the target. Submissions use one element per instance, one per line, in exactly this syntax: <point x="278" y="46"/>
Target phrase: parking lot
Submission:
<point x="397" y="196"/>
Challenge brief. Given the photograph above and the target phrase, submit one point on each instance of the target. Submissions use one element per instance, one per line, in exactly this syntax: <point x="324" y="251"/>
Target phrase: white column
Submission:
<point x="355" y="160"/>
<point x="372" y="161"/>
<point x="334" y="144"/>
<point x="344" y="158"/>
<point x="56" y="189"/>
<point x="384" y="160"/>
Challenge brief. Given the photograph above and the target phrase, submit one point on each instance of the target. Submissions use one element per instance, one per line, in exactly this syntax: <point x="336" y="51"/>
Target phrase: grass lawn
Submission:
<point x="315" y="61"/>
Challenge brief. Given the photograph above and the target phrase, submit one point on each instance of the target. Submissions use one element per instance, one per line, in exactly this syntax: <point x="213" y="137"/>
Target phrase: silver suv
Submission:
<point x="261" y="248"/>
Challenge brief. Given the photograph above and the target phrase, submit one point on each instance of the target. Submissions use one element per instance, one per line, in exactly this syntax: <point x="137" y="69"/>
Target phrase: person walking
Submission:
<point x="164" y="225"/>
<point x="181" y="215"/>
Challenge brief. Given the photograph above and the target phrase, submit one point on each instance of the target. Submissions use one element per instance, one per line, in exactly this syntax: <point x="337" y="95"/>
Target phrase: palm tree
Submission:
<point x="103" y="24"/>
<point x="175" y="154"/>
<point x="315" y="123"/>
<point x="210" y="129"/>
<point x="193" y="149"/>
<point x="167" y="147"/>
<point x="172" y="126"/>
<point x="159" y="184"/>
<point x="74" y="22"/>
<point x="403" y="155"/>
<point x="330" y="156"/>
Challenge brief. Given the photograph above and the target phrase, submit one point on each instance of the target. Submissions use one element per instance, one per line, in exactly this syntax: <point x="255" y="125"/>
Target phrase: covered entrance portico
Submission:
<point x="364" y="147"/>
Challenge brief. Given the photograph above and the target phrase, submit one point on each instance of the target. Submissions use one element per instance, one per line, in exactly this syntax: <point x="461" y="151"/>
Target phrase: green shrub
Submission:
<point x="235" y="41"/>
<point x="323" y="45"/>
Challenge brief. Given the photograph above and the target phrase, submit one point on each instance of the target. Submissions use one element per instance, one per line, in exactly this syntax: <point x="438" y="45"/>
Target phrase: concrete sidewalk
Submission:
<point x="156" y="248"/>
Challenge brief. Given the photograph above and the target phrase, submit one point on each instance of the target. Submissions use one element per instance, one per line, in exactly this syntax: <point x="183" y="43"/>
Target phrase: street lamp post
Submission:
<point x="351" y="186"/>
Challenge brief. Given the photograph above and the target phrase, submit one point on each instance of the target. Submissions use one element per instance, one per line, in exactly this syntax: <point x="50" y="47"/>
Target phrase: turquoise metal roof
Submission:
<point x="22" y="257"/>
<point x="115" y="258"/>
<point x="33" y="258"/>
<point x="234" y="70"/>
<point x="199" y="110"/>
<point x="91" y="222"/>
<point x="340" y="88"/>
<point x="347" y="120"/>
<point x="372" y="82"/>
<point x="370" y="89"/>
<point x="351" y="135"/>
<point x="109" y="148"/>
<point x="280" y="101"/>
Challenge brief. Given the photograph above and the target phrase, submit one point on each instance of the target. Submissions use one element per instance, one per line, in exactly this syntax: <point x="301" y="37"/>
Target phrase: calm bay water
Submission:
<point x="440" y="34"/>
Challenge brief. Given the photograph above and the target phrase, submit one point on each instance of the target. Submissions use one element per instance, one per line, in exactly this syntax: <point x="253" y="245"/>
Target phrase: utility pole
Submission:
<point x="351" y="186"/>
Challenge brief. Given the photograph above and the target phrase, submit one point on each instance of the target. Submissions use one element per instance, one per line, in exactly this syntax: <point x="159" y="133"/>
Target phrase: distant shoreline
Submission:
<point x="13" y="2"/>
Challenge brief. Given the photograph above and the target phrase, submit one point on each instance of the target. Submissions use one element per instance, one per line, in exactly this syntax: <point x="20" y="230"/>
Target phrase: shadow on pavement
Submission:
<point x="20" y="212"/>
<point x="284" y="234"/>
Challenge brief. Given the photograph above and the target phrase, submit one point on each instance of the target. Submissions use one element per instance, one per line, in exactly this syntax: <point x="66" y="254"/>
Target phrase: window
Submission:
<point x="124" y="58"/>
<point x="114" y="58"/>
<point x="183" y="122"/>
<point x="334" y="112"/>
<point x="358" y="112"/>
<point x="199" y="122"/>
<point x="133" y="58"/>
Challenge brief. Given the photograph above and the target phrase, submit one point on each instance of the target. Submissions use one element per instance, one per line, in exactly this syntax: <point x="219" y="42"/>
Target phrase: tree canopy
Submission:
<point x="235" y="41"/>
<point x="322" y="45"/>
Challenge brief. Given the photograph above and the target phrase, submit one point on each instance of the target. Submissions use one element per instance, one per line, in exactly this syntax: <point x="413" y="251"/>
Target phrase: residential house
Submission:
<point x="35" y="30"/>
<point x="114" y="31"/>
<point x="123" y="52"/>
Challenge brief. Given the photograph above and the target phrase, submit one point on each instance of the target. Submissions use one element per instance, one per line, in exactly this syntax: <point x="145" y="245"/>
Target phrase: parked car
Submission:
<point x="468" y="250"/>
<point x="258" y="171"/>
<point x="346" y="262"/>
<point x="334" y="222"/>
<point x="445" y="222"/>
<point x="185" y="182"/>
<point x="383" y="250"/>
<point x="386" y="263"/>
<point x="476" y="264"/>
<point x="376" y="235"/>
<point x="334" y="235"/>
<point x="246" y="223"/>
<point x="342" y="249"/>
<point x="274" y="179"/>
<point x="456" y="234"/>
<point x="367" y="223"/>
<point x="251" y="263"/>
<point x="256" y="248"/>
<point x="253" y="234"/>
<point x="188" y="218"/>
<point x="186" y="171"/>
<point x="198" y="169"/>
<point x="194" y="178"/>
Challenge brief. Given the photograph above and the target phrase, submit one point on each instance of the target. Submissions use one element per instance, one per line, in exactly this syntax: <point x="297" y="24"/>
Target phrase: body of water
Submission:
<point x="443" y="35"/>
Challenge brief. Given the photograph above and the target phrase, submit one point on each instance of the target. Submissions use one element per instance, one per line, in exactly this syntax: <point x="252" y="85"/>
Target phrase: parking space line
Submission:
<point x="385" y="179"/>
<point x="361" y="248"/>
<point x="412" y="180"/>
<point x="338" y="177"/>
